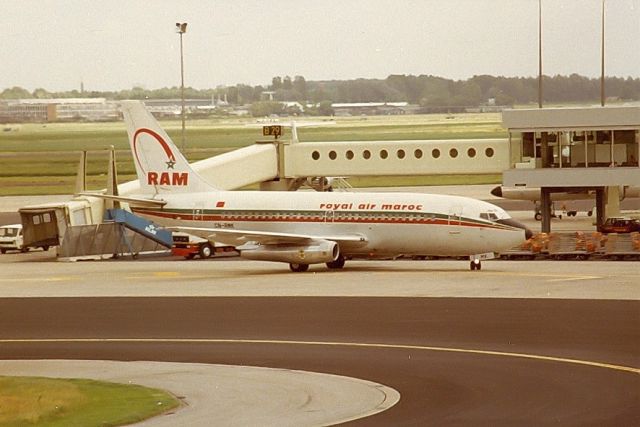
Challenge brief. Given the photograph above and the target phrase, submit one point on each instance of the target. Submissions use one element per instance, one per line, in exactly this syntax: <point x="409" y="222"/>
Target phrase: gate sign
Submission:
<point x="273" y="130"/>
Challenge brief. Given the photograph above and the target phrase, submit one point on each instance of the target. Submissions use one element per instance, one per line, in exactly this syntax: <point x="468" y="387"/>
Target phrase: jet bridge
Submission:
<point x="286" y="165"/>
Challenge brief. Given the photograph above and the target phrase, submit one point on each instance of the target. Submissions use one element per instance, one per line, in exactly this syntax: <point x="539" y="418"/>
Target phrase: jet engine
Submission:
<point x="320" y="183"/>
<point x="317" y="252"/>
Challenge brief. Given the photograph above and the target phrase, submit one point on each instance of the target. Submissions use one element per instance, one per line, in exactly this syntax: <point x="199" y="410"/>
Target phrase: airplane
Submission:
<point x="533" y="195"/>
<point x="307" y="227"/>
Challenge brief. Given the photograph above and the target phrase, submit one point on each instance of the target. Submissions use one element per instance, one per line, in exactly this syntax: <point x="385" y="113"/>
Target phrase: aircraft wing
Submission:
<point x="240" y="237"/>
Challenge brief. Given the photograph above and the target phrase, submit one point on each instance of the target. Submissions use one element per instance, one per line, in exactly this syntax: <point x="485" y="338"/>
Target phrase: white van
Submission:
<point x="11" y="238"/>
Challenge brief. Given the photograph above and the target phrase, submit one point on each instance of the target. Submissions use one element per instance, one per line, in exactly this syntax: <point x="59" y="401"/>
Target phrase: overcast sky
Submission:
<point x="116" y="44"/>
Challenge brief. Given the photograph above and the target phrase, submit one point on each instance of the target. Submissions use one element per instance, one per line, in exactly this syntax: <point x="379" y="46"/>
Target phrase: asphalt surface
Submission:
<point x="418" y="346"/>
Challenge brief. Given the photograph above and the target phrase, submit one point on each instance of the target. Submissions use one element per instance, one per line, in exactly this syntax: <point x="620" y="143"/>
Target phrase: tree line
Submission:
<point x="424" y="90"/>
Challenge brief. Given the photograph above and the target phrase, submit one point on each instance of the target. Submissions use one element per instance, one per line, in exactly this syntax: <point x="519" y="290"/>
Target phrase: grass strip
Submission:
<point x="54" y="402"/>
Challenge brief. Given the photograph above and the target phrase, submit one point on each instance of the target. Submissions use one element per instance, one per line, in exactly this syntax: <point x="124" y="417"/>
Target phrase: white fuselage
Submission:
<point x="391" y="223"/>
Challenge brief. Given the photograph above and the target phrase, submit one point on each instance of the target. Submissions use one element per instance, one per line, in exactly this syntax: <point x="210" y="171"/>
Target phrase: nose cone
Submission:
<point x="497" y="191"/>
<point x="515" y="223"/>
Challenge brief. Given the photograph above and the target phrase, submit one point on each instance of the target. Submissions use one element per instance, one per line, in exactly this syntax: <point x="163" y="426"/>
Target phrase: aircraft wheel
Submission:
<point x="337" y="264"/>
<point x="476" y="265"/>
<point x="298" y="268"/>
<point x="45" y="248"/>
<point x="206" y="250"/>
<point x="4" y="251"/>
<point x="538" y="216"/>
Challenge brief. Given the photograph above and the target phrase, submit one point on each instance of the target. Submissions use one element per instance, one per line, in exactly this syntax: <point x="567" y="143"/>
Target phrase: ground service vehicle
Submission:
<point x="188" y="246"/>
<point x="11" y="238"/>
<point x="620" y="225"/>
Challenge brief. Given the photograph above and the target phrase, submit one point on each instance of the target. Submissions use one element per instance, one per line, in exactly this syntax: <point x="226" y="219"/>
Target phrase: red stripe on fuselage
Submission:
<point x="311" y="219"/>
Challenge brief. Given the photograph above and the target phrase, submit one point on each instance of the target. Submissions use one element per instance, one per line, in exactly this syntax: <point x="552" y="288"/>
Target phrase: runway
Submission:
<point x="519" y="343"/>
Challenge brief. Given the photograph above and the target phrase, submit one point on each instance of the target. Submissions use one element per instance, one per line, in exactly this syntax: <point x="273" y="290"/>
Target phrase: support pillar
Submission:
<point x="600" y="207"/>
<point x="612" y="201"/>
<point x="545" y="209"/>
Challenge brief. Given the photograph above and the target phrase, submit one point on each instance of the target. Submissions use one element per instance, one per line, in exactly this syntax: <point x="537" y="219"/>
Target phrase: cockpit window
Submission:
<point x="490" y="216"/>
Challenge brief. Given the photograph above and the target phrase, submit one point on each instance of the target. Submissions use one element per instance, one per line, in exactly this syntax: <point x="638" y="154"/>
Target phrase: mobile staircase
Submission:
<point x="122" y="233"/>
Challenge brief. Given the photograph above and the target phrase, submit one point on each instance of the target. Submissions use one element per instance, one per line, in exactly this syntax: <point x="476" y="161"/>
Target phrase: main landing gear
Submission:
<point x="475" y="264"/>
<point x="298" y="268"/>
<point x="338" y="263"/>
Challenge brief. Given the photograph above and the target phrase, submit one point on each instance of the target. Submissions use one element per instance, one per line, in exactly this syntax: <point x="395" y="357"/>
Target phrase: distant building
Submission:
<point x="369" y="108"/>
<point x="58" y="109"/>
<point x="173" y="107"/>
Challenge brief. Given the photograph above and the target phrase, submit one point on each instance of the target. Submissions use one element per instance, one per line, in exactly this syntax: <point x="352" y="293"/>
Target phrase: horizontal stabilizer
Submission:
<point x="131" y="200"/>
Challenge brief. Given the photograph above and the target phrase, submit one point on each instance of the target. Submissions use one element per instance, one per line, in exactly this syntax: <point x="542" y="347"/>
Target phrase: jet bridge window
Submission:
<point x="453" y="153"/>
<point x="315" y="155"/>
<point x="471" y="152"/>
<point x="349" y="155"/>
<point x="366" y="154"/>
<point x="435" y="153"/>
<point x="384" y="154"/>
<point x="489" y="152"/>
<point x="400" y="154"/>
<point x="418" y="153"/>
<point x="332" y="155"/>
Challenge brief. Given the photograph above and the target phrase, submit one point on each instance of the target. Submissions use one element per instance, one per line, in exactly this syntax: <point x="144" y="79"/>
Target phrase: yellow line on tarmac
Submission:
<point x="330" y="344"/>
<point x="557" y="276"/>
<point x="39" y="279"/>
<point x="569" y="279"/>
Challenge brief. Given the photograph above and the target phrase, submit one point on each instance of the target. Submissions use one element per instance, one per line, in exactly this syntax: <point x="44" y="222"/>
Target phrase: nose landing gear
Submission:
<point x="475" y="260"/>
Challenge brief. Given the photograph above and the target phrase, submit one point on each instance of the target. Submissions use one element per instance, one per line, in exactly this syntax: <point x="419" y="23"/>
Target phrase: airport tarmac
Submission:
<point x="23" y="277"/>
<point x="515" y="343"/>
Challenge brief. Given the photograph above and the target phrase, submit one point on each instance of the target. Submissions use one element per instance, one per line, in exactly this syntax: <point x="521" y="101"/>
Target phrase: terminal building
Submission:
<point x="574" y="149"/>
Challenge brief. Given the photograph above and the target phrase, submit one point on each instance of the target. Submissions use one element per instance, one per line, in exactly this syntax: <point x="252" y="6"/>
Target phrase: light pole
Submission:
<point x="539" y="53"/>
<point x="181" y="28"/>
<point x="602" y="61"/>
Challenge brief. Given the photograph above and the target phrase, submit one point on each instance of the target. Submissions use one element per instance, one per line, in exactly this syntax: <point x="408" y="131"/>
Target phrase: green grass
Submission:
<point x="53" y="402"/>
<point x="43" y="158"/>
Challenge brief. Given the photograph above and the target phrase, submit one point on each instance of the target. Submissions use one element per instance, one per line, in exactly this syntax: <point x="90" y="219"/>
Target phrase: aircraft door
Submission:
<point x="455" y="219"/>
<point x="198" y="211"/>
